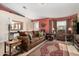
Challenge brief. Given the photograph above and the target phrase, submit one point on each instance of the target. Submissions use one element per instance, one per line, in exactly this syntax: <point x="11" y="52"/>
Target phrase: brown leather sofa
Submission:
<point x="31" y="40"/>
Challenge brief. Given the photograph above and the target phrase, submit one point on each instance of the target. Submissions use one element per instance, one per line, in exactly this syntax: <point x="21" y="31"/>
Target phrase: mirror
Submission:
<point x="16" y="25"/>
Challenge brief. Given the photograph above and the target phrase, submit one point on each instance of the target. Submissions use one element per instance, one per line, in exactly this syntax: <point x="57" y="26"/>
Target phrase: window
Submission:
<point x="36" y="26"/>
<point x="61" y="25"/>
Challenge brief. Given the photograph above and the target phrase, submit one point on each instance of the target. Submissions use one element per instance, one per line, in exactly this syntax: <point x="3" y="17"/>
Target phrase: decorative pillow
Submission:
<point x="23" y="34"/>
<point x="40" y="33"/>
<point x="36" y="34"/>
<point x="30" y="36"/>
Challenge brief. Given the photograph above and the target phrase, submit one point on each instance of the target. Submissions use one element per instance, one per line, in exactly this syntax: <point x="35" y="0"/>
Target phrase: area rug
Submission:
<point x="51" y="48"/>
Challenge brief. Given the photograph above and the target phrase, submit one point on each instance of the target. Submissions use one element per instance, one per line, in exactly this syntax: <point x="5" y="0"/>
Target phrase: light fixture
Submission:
<point x="42" y="4"/>
<point x="70" y="29"/>
<point x="53" y="29"/>
<point x="24" y="7"/>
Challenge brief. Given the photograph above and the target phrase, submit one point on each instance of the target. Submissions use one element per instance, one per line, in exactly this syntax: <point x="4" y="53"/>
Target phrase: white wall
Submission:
<point x="38" y="10"/>
<point x="4" y="21"/>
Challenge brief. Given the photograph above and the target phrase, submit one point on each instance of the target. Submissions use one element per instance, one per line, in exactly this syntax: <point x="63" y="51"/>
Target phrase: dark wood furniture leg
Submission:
<point x="4" y="47"/>
<point x="10" y="49"/>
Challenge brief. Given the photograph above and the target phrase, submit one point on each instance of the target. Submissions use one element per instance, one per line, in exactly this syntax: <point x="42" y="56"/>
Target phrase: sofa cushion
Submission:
<point x="40" y="34"/>
<point x="36" y="33"/>
<point x="34" y="39"/>
<point x="30" y="37"/>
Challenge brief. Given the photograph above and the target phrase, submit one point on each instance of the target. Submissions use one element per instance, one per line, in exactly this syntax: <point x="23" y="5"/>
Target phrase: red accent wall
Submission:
<point x="44" y="21"/>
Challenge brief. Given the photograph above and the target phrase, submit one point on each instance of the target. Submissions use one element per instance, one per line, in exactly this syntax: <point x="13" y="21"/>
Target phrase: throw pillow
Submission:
<point x="23" y="34"/>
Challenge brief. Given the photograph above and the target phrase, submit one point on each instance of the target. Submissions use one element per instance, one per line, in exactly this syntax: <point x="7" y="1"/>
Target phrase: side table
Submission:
<point x="10" y="44"/>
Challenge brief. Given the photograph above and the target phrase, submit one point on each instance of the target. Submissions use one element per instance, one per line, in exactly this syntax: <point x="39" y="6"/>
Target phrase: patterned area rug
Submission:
<point x="51" y="48"/>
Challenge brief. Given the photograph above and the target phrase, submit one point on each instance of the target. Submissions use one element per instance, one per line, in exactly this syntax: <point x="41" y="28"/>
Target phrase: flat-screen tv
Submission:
<point x="77" y="28"/>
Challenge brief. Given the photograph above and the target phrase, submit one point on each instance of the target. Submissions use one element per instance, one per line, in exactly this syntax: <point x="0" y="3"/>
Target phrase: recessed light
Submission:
<point x="24" y="7"/>
<point x="42" y="3"/>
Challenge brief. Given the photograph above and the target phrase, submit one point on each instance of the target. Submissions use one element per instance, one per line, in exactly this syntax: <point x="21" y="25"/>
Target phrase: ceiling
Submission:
<point x="44" y="10"/>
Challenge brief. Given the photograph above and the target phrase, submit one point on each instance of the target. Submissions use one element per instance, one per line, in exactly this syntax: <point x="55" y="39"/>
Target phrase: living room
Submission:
<point x="39" y="29"/>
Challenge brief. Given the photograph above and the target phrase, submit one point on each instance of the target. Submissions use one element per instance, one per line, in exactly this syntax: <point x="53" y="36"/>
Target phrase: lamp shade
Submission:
<point x="53" y="29"/>
<point x="70" y="29"/>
